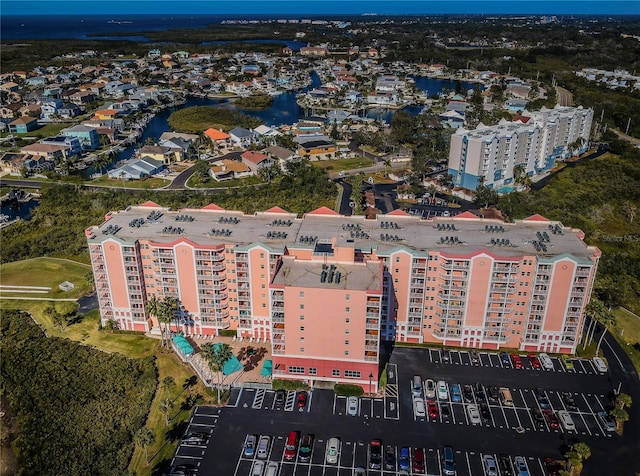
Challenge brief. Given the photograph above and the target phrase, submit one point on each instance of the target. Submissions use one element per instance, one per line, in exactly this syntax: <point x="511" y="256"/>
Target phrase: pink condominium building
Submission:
<point x="325" y="289"/>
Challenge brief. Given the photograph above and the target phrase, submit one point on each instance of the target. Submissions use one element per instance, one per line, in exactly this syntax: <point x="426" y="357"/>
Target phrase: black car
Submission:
<point x="375" y="454"/>
<point x="504" y="462"/>
<point x="480" y="396"/>
<point x="445" y="411"/>
<point x="539" y="419"/>
<point x="493" y="394"/>
<point x="569" y="401"/>
<point x="485" y="413"/>
<point x="195" y="438"/>
<point x="475" y="358"/>
<point x="181" y="470"/>
<point x="280" y="396"/>
<point x="467" y="393"/>
<point x="390" y="458"/>
<point x="446" y="355"/>
<point x="305" y="448"/>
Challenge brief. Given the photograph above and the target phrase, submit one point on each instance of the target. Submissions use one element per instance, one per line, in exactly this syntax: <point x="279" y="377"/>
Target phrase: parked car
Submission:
<point x="467" y="393"/>
<point x="429" y="389"/>
<point x="546" y="361"/>
<point x="517" y="361"/>
<point x="448" y="462"/>
<point x="443" y="393"/>
<point x="474" y="414"/>
<point x="418" y="461"/>
<point x="352" y="406"/>
<point x="490" y="466"/>
<point x="569" y="401"/>
<point x="306" y="447"/>
<point x="272" y="469"/>
<point x="505" y="359"/>
<point x="607" y="421"/>
<point x="535" y="361"/>
<point x="521" y="466"/>
<point x="485" y="413"/>
<point x="301" y="401"/>
<point x="474" y="356"/>
<point x="566" y="420"/>
<point x="479" y="392"/>
<point x="541" y="396"/>
<point x="600" y="365"/>
<point x="404" y="461"/>
<point x="445" y="410"/>
<point x="456" y="393"/>
<point x="258" y="468"/>
<point x="568" y="363"/>
<point x="553" y="466"/>
<point x="333" y="450"/>
<point x="359" y="471"/>
<point x="418" y="406"/>
<point x="291" y="446"/>
<point x="375" y="454"/>
<point x="446" y="355"/>
<point x="197" y="438"/>
<point x="552" y="419"/>
<point x="263" y="446"/>
<point x="280" y="396"/>
<point x="250" y="446"/>
<point x="390" y="458"/>
<point x="504" y="463"/>
<point x="539" y="419"/>
<point x="493" y="394"/>
<point x="182" y="470"/>
<point x="432" y="409"/>
<point x="416" y="386"/>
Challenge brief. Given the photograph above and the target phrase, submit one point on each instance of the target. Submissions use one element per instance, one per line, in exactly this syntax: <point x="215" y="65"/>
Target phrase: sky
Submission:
<point x="319" y="7"/>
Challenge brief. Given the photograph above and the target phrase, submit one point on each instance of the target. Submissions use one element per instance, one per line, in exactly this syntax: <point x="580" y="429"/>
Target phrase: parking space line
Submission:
<point x="469" y="462"/>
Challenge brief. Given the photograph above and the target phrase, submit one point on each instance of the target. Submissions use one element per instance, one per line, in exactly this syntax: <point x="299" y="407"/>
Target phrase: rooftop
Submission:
<point x="278" y="229"/>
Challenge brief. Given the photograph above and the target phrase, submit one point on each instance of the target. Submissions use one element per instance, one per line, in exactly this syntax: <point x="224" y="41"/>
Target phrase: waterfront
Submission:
<point x="20" y="210"/>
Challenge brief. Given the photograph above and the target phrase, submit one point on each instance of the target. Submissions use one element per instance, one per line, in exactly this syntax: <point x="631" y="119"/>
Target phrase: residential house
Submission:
<point x="9" y="111"/>
<point x="33" y="110"/>
<point x="73" y="145"/>
<point x="82" y="97"/>
<point x="240" y="136"/>
<point x="50" y="152"/>
<point x="138" y="169"/>
<point x="265" y="134"/>
<point x="218" y="137"/>
<point x="516" y="105"/>
<point x="256" y="161"/>
<point x="165" y="155"/>
<point x="23" y="124"/>
<point x="69" y="110"/>
<point x="280" y="154"/>
<point x="315" y="146"/>
<point x="89" y="136"/>
<point x="50" y="108"/>
<point x="452" y="119"/>
<point x="106" y="114"/>
<point x="178" y="146"/>
<point x="229" y="169"/>
<point x="9" y="87"/>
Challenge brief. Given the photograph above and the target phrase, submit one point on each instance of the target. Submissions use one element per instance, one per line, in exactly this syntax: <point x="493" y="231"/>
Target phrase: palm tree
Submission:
<point x="144" y="438"/>
<point x="153" y="307"/>
<point x="173" y="308"/>
<point x="216" y="356"/>
<point x="623" y="400"/>
<point x="165" y="317"/>
<point x="583" y="450"/>
<point x="167" y="383"/>
<point x="607" y="319"/>
<point x="165" y="407"/>
<point x="594" y="309"/>
<point x="620" y="416"/>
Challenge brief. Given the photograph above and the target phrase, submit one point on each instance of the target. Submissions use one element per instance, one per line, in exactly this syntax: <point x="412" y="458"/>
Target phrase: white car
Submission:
<point x="333" y="450"/>
<point x="600" y="365"/>
<point x="429" y="389"/>
<point x="607" y="422"/>
<point x="545" y="361"/>
<point x="418" y="406"/>
<point x="566" y="420"/>
<point x="352" y="406"/>
<point x="272" y="469"/>
<point x="258" y="468"/>
<point x="443" y="393"/>
<point x="474" y="414"/>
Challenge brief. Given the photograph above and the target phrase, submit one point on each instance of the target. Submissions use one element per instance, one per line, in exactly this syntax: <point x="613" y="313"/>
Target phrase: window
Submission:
<point x="347" y="296"/>
<point x="302" y="317"/>
<point x="301" y="339"/>
<point x="346" y="320"/>
<point x="302" y="350"/>
<point x="301" y="294"/>
<point x="346" y="352"/>
<point x="397" y="259"/>
<point x="335" y="373"/>
<point x="301" y="306"/>
<point x="261" y="266"/>
<point x="347" y="309"/>
<point x="346" y="342"/>
<point x="302" y="328"/>
<point x="352" y="373"/>
<point x="313" y="371"/>
<point x="346" y="331"/>
<point x="261" y="255"/>
<point x="296" y="370"/>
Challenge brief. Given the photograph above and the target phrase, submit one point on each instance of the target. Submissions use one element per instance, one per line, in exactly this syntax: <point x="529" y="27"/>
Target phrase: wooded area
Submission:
<point x="199" y="118"/>
<point x="81" y="407"/>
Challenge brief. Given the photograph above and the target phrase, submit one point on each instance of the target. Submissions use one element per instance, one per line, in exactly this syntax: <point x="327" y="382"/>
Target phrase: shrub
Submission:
<point x="348" y="390"/>
<point x="278" y="384"/>
<point x="228" y="333"/>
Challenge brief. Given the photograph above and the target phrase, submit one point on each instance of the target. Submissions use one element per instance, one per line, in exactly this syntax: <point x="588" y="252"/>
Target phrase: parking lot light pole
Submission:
<point x="370" y="377"/>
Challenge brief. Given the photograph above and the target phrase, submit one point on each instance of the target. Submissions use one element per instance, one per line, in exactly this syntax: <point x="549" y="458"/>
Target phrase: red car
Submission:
<point x="535" y="361"/>
<point x="553" y="467"/>
<point x="517" y="361"/>
<point x="302" y="400"/>
<point x="432" y="408"/>
<point x="418" y="461"/>
<point x="552" y="419"/>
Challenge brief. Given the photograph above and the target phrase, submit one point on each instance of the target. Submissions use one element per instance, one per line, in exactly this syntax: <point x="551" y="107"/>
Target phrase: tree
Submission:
<point x="216" y="356"/>
<point x="623" y="400"/>
<point x="484" y="195"/>
<point x="144" y="438"/>
<point x="153" y="307"/>
<point x="166" y="405"/>
<point x="201" y="170"/>
<point x="595" y="310"/>
<point x="607" y="319"/>
<point x="167" y="383"/>
<point x="620" y="416"/>
<point x="583" y="450"/>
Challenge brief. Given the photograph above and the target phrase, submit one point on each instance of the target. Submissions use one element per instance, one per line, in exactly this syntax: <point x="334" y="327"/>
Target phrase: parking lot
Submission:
<point x="574" y="386"/>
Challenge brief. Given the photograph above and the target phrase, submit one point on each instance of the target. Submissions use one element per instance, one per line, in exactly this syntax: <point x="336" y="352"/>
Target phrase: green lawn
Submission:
<point x="144" y="184"/>
<point x="338" y="165"/>
<point x="253" y="180"/>
<point x="50" y="130"/>
<point x="45" y="272"/>
<point x="627" y="333"/>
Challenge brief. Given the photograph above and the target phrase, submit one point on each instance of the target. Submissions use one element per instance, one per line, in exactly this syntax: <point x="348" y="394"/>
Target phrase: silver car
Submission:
<point x="490" y="466"/>
<point x="352" y="406"/>
<point x="474" y="414"/>
<point x="429" y="389"/>
<point x="333" y="450"/>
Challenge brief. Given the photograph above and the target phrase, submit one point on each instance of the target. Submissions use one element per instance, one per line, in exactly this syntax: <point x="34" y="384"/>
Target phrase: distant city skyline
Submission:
<point x="327" y="7"/>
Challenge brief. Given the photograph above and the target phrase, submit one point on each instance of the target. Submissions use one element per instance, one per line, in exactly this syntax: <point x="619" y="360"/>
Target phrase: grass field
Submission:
<point x="343" y="164"/>
<point x="44" y="272"/>
<point x="144" y="184"/>
<point x="627" y="333"/>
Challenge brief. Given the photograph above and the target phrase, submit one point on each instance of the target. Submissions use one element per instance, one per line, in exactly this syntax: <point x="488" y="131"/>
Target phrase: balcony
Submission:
<point x="372" y="324"/>
<point x="277" y="341"/>
<point x="163" y="254"/>
<point x="583" y="273"/>
<point x="277" y="318"/>
<point x="416" y="295"/>
<point x="500" y="300"/>
<point x="374" y="314"/>
<point x="505" y="279"/>
<point x="455" y="266"/>
<point x="368" y="358"/>
<point x="495" y="338"/>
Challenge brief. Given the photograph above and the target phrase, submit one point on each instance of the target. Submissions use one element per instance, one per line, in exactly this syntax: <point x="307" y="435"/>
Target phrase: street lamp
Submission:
<point x="370" y="377"/>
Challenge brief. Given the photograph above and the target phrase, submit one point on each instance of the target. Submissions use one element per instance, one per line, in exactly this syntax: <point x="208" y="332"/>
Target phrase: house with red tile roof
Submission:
<point x="217" y="136"/>
<point x="256" y="161"/>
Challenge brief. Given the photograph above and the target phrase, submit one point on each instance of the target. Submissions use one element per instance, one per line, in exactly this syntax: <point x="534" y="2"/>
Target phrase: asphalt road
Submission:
<point x="565" y="98"/>
<point x="181" y="180"/>
<point x="393" y="420"/>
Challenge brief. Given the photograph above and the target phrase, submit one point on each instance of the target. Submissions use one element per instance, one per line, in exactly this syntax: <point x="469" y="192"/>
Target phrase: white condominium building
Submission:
<point x="535" y="141"/>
